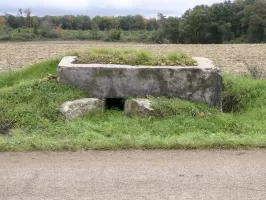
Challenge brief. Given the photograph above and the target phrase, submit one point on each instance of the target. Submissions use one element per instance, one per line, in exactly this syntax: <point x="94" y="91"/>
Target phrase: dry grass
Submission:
<point x="229" y="58"/>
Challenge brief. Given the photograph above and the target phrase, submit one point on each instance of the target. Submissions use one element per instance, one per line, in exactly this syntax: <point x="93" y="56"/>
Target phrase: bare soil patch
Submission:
<point x="230" y="58"/>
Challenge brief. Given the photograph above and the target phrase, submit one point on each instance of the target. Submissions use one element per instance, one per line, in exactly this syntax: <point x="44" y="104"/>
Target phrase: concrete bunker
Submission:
<point x="113" y="82"/>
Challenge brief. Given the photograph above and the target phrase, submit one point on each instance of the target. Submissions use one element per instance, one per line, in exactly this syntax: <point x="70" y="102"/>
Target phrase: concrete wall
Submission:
<point x="196" y="83"/>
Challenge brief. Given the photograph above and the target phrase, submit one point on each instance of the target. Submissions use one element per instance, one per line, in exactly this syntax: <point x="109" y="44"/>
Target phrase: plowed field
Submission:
<point x="229" y="58"/>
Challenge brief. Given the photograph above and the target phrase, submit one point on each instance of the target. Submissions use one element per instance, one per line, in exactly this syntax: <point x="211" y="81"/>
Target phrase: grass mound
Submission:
<point x="134" y="57"/>
<point x="29" y="112"/>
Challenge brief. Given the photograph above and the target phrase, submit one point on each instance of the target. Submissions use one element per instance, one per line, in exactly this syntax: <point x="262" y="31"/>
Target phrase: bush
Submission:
<point x="239" y="40"/>
<point x="84" y="35"/>
<point x="159" y="37"/>
<point x="241" y="93"/>
<point x="49" y="33"/>
<point x="113" y="35"/>
<point x="4" y="37"/>
<point x="137" y="36"/>
<point x="68" y="35"/>
<point x="23" y="36"/>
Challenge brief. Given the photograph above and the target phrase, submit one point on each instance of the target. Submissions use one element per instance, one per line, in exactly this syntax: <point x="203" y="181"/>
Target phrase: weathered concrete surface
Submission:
<point x="134" y="175"/>
<point x="78" y="108"/>
<point x="138" y="107"/>
<point x="196" y="83"/>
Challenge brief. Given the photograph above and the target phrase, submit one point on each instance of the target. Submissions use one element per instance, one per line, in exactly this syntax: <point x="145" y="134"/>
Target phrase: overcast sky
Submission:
<point x="148" y="8"/>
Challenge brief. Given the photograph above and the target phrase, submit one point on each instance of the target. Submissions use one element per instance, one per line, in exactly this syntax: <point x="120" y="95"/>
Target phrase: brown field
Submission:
<point x="229" y="58"/>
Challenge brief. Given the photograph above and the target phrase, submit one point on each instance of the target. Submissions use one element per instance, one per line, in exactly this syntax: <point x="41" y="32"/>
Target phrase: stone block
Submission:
<point x="138" y="107"/>
<point x="74" y="109"/>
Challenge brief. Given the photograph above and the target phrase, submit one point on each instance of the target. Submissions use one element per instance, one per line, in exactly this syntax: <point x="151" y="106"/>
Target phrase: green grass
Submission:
<point x="29" y="73"/>
<point x="134" y="57"/>
<point x="33" y="103"/>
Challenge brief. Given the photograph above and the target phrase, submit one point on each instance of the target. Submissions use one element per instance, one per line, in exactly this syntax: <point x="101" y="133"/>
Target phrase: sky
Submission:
<point x="147" y="8"/>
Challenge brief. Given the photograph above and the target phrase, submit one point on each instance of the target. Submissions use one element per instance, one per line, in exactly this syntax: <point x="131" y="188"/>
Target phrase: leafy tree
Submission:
<point x="95" y="30"/>
<point x="229" y="21"/>
<point x="152" y="24"/>
<point x="126" y="22"/>
<point x="35" y="23"/>
<point x="98" y="20"/>
<point x="2" y="24"/>
<point x="12" y="21"/>
<point x="47" y="28"/>
<point x="195" y="26"/>
<point x="86" y="22"/>
<point x="27" y="12"/>
<point x="139" y="23"/>
<point x="168" y="29"/>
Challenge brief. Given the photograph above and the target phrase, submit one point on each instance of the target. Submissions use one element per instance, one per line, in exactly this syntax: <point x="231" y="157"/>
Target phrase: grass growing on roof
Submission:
<point x="134" y="57"/>
<point x="32" y="104"/>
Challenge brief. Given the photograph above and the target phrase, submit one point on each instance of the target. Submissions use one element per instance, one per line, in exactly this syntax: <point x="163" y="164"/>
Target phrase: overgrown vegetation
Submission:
<point x="29" y="112"/>
<point x="239" y="21"/>
<point x="134" y="57"/>
<point x="27" y="34"/>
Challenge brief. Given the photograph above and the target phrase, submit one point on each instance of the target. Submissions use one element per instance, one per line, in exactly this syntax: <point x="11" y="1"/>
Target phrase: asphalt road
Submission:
<point x="137" y="175"/>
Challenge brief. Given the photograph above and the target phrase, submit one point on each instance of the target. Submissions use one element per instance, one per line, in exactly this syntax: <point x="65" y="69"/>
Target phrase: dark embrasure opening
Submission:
<point x="114" y="104"/>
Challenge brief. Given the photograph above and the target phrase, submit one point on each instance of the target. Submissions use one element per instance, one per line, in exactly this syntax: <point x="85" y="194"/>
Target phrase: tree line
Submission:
<point x="230" y="21"/>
